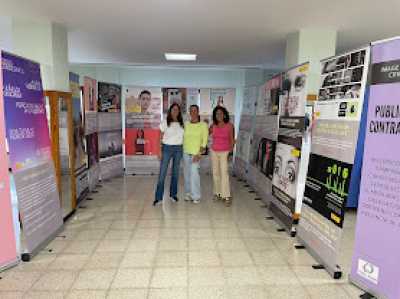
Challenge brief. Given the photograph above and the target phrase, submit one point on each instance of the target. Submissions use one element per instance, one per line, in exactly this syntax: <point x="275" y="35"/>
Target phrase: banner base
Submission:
<point x="335" y="272"/>
<point x="27" y="256"/>
<point x="362" y="287"/>
<point x="10" y="265"/>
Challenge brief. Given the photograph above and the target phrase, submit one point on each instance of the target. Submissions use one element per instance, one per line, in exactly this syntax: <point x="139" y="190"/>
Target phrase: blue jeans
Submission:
<point x="192" y="177"/>
<point x="169" y="152"/>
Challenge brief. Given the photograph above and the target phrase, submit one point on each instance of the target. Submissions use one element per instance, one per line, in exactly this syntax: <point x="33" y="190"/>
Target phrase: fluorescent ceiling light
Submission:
<point x="180" y="56"/>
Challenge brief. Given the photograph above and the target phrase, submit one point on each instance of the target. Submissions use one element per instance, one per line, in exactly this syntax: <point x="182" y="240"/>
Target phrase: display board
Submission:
<point x="243" y="143"/>
<point x="80" y="165"/>
<point x="376" y="261"/>
<point x="109" y="124"/>
<point x="174" y="95"/>
<point x="289" y="154"/>
<point x="92" y="142"/>
<point x="265" y="136"/>
<point x="143" y="110"/>
<point x="8" y="248"/>
<point x="223" y="97"/>
<point x="30" y="158"/>
<point x="334" y="140"/>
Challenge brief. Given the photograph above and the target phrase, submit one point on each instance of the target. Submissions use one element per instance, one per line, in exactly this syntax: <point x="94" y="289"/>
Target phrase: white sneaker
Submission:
<point x="196" y="201"/>
<point x="187" y="197"/>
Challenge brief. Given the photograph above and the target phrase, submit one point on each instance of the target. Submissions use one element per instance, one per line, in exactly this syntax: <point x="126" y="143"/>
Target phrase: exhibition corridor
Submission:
<point x="118" y="245"/>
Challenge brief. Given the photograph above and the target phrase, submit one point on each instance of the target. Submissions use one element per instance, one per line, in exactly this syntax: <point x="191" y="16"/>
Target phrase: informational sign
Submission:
<point x="265" y="136"/>
<point x="8" y="248"/>
<point x="109" y="97"/>
<point x="91" y="128"/>
<point x="142" y="129"/>
<point x="90" y="103"/>
<point x="286" y="200"/>
<point x="109" y="126"/>
<point x="242" y="157"/>
<point x="30" y="151"/>
<point x="223" y="97"/>
<point x="376" y="262"/>
<point x="174" y="95"/>
<point x="331" y="174"/>
<point x="81" y="171"/>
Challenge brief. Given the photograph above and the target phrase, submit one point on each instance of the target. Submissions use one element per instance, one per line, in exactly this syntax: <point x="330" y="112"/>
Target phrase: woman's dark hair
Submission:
<point x="224" y="111"/>
<point x="169" y="115"/>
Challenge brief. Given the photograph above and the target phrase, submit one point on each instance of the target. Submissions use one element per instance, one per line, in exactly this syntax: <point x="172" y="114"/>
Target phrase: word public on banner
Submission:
<point x="289" y="156"/>
<point x="30" y="151"/>
<point x="8" y="248"/>
<point x="331" y="174"/>
<point x="376" y="261"/>
<point x="242" y="156"/>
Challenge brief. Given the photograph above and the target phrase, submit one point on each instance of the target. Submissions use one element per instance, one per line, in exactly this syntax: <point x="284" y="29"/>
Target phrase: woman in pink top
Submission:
<point x="222" y="144"/>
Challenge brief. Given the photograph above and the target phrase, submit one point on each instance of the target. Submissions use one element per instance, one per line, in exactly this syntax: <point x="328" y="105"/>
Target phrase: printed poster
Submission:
<point x="90" y="103"/>
<point x="8" y="248"/>
<point x="332" y="174"/>
<point x="174" y="95"/>
<point x="30" y="151"/>
<point x="109" y="97"/>
<point x="286" y="182"/>
<point x="376" y="263"/>
<point x="142" y="129"/>
<point x="224" y="97"/>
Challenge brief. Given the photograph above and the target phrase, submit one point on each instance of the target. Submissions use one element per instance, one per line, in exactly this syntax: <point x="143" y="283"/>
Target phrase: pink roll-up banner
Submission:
<point x="8" y="249"/>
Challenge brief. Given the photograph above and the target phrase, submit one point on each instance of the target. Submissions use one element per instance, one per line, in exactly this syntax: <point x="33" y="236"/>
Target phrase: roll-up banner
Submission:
<point x="376" y="260"/>
<point x="290" y="154"/>
<point x="30" y="153"/>
<point x="143" y="110"/>
<point x="92" y="142"/>
<point x="8" y="248"/>
<point x="174" y="95"/>
<point x="109" y="125"/>
<point x="335" y="135"/>
<point x="80" y="171"/>
<point x="265" y="137"/>
<point x="246" y="125"/>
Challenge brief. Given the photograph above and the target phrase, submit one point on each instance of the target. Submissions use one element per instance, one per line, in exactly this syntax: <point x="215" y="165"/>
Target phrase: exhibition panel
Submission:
<point x="335" y="134"/>
<point x="30" y="158"/>
<point x="376" y="261"/>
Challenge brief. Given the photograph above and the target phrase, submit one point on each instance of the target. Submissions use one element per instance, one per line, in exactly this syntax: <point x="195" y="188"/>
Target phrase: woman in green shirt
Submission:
<point x="195" y="140"/>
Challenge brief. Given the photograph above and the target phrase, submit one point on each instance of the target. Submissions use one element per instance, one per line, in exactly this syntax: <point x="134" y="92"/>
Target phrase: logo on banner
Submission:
<point x="34" y="85"/>
<point x="368" y="271"/>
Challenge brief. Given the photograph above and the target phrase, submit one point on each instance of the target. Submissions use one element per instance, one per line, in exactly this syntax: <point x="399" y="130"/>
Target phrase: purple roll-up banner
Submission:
<point x="376" y="259"/>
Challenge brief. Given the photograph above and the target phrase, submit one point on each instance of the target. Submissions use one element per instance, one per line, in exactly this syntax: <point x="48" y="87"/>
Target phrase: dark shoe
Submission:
<point x="174" y="198"/>
<point x="156" y="202"/>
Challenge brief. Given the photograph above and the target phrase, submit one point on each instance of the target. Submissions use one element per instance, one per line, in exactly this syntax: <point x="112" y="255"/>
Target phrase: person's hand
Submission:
<point x="202" y="150"/>
<point x="160" y="155"/>
<point x="196" y="158"/>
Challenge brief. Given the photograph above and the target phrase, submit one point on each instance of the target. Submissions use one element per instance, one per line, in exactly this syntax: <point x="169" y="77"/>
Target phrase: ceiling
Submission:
<point x="221" y="32"/>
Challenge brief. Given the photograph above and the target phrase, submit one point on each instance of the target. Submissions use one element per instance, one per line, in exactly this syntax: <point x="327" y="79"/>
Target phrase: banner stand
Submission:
<point x="27" y="256"/>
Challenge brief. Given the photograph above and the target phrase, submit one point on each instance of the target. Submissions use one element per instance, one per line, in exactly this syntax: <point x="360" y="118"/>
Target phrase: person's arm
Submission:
<point x="204" y="138"/>
<point x="232" y="137"/>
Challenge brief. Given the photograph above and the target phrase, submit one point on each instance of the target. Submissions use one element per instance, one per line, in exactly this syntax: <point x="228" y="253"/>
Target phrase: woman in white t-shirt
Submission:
<point x="172" y="139"/>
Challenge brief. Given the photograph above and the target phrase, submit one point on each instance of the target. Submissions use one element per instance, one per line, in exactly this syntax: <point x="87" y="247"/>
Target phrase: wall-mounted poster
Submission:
<point x="223" y="97"/>
<point x="174" y="95"/>
<point x="142" y="129"/>
<point x="109" y="97"/>
<point x="332" y="175"/>
<point x="30" y="151"/>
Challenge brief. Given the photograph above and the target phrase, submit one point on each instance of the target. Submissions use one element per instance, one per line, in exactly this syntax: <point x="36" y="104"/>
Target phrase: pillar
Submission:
<point x="310" y="45"/>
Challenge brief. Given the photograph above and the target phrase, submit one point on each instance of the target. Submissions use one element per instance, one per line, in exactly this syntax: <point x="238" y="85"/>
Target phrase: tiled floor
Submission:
<point x="119" y="246"/>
